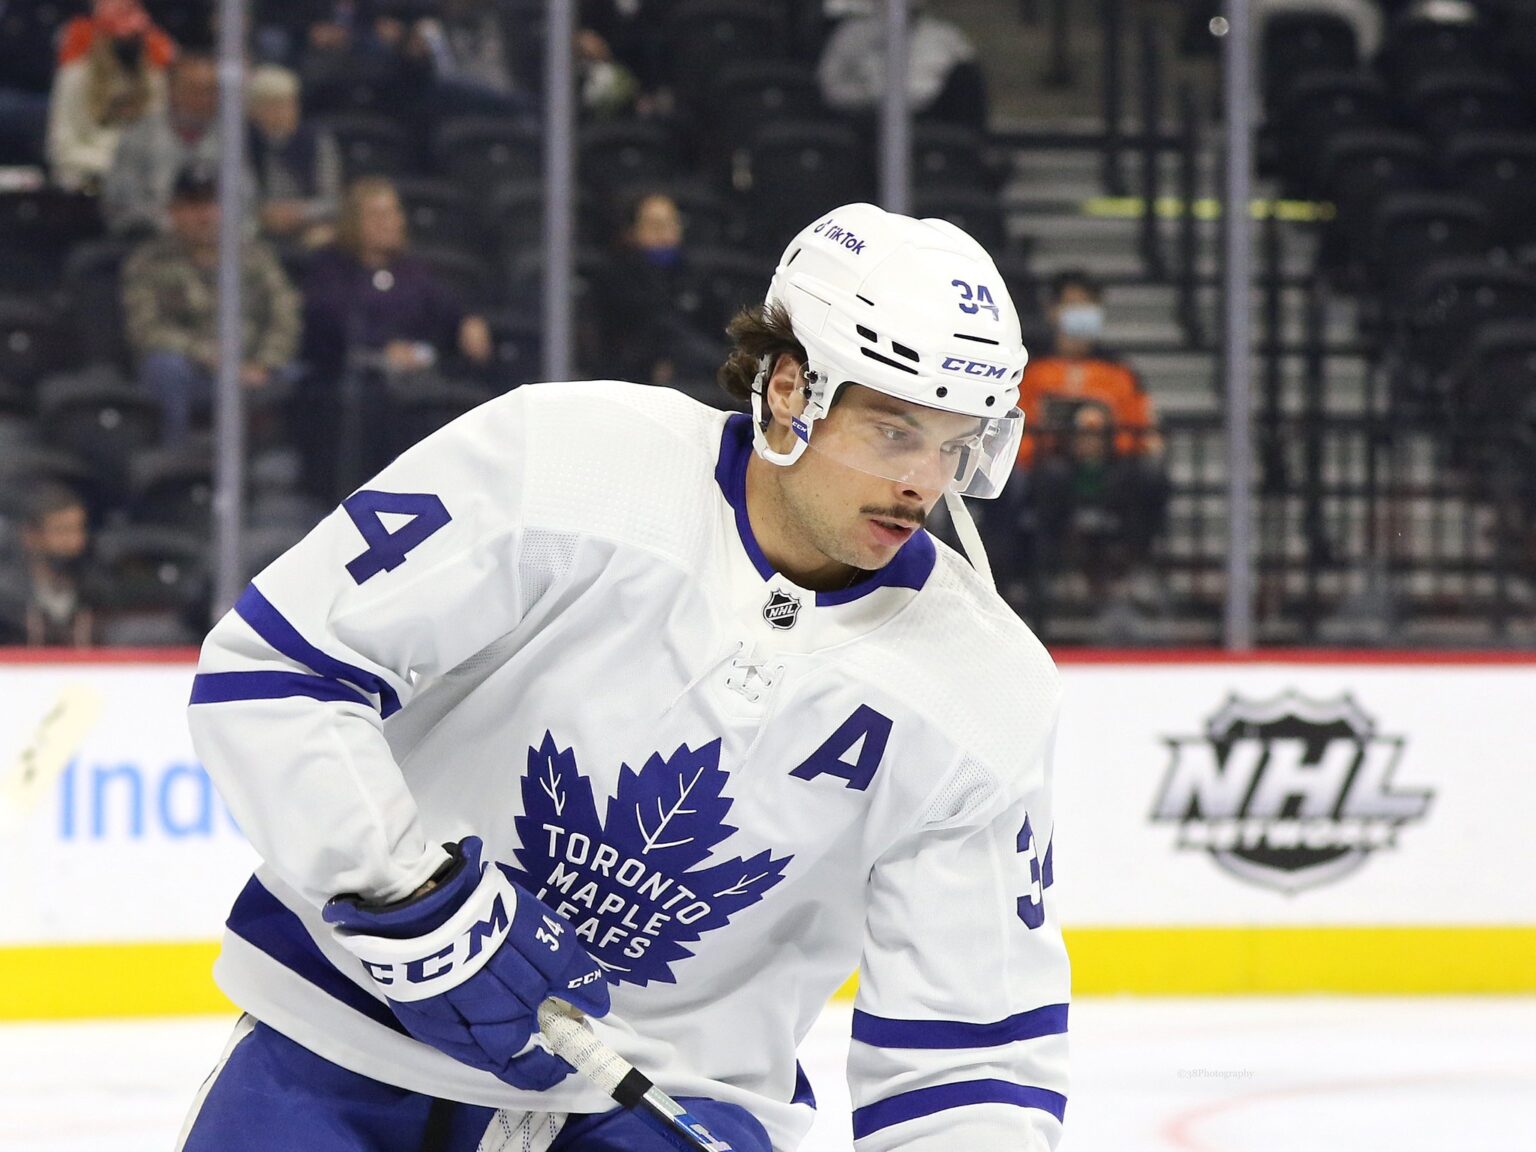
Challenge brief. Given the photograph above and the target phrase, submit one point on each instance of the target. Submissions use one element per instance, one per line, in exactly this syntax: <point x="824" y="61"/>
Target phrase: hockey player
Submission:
<point x="675" y="715"/>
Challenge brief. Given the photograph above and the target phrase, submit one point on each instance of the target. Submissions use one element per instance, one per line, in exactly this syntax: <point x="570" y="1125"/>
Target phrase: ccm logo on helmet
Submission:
<point x="980" y="368"/>
<point x="828" y="230"/>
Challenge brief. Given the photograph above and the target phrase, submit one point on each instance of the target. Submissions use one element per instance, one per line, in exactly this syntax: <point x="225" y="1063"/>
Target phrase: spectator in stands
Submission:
<point x="170" y="298"/>
<point x="367" y="293"/>
<point x="1077" y="370"/>
<point x="373" y="311"/>
<point x="623" y="43"/>
<point x="646" y="333"/>
<point x="468" y="53"/>
<point x="52" y="593"/>
<point x="296" y="167"/>
<point x="944" y="80"/>
<point x="1098" y="511"/>
<point x="607" y="88"/>
<point x="111" y="73"/>
<point x="137" y="193"/>
<point x="1095" y="496"/>
<point x="340" y="47"/>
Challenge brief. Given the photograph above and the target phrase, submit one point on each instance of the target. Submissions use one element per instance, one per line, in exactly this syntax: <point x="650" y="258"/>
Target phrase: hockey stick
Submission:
<point x="570" y="1039"/>
<point x="58" y="737"/>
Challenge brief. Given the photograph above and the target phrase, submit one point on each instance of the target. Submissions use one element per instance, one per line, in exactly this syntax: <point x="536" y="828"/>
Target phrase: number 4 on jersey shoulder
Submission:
<point x="389" y="544"/>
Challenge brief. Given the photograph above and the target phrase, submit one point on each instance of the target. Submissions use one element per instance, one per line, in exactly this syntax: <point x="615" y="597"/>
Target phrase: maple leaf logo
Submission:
<point x="631" y="882"/>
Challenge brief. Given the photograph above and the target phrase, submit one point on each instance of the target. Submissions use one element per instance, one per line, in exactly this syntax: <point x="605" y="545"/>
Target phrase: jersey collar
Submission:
<point x="909" y="569"/>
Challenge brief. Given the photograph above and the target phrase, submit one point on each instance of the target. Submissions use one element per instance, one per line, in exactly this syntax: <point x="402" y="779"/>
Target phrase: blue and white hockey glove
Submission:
<point x="466" y="964"/>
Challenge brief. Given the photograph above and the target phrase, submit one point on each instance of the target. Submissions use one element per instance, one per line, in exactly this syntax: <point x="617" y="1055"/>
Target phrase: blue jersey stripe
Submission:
<point x="804" y="1094"/>
<point x="885" y="1032"/>
<point x="270" y="624"/>
<point x="263" y="921"/>
<point x="942" y="1097"/>
<point x="224" y="687"/>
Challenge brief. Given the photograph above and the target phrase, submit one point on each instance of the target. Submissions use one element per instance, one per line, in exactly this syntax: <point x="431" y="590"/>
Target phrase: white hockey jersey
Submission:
<point x="550" y="625"/>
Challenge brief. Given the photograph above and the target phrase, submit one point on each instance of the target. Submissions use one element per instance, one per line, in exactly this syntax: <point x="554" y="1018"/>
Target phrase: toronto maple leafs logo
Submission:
<point x="630" y="883"/>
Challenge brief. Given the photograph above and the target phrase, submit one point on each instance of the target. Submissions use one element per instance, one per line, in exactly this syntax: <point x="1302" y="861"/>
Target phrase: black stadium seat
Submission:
<point x="1496" y="376"/>
<point x="371" y="144"/>
<point x="1319" y="106"/>
<point x="33" y="341"/>
<point x="617" y="152"/>
<point x="1412" y="230"/>
<point x="173" y="487"/>
<point x="1295" y="42"/>
<point x="1498" y="169"/>
<point x="439" y="214"/>
<point x="29" y="35"/>
<point x="1417" y="45"/>
<point x="703" y="33"/>
<point x="92" y="284"/>
<point x="722" y="281"/>
<point x="799" y="169"/>
<point x="100" y="417"/>
<point x="38" y="227"/>
<point x="951" y="156"/>
<point x="747" y="94"/>
<point x="1447" y="303"/>
<point x="482" y="153"/>
<point x="1360" y="166"/>
<point x="156" y="587"/>
<point x="1447" y="105"/>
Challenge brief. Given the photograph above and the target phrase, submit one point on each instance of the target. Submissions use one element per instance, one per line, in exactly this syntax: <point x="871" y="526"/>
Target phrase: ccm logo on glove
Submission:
<point x="466" y="964"/>
<point x="471" y="940"/>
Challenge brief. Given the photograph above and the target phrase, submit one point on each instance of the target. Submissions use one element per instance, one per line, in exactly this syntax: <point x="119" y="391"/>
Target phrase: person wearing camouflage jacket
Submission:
<point x="170" y="299"/>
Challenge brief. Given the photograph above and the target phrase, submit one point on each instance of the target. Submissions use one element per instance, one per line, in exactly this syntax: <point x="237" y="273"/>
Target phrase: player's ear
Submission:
<point x="785" y="390"/>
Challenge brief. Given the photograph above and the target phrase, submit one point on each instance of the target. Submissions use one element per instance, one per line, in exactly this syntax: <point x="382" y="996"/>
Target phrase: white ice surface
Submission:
<point x="1273" y="1075"/>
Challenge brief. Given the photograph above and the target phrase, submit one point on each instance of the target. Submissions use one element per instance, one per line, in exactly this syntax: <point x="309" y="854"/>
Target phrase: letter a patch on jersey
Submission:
<point x="630" y="883"/>
<point x="853" y="752"/>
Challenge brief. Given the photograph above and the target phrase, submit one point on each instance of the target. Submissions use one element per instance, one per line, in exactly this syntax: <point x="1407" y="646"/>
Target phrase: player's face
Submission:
<point x="877" y="468"/>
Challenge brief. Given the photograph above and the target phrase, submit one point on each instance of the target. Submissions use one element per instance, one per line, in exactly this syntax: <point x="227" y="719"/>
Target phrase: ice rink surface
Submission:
<point x="1231" y="1075"/>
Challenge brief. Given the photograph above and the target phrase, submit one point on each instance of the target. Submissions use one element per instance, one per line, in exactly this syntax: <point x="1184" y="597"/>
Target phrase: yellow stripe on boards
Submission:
<point x="82" y="981"/>
<point x="1260" y="961"/>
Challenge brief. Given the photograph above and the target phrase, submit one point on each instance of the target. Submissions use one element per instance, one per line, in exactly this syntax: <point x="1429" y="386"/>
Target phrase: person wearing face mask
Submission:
<point x="51" y="605"/>
<point x="1080" y="370"/>
<point x="645" y="299"/>
<point x="1096" y="494"/>
<point x="111" y="73"/>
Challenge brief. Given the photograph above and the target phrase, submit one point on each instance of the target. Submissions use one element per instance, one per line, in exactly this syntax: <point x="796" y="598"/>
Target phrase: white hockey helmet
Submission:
<point x="911" y="308"/>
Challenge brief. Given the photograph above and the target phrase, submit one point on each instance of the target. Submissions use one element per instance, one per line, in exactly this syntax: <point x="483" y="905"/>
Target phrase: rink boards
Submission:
<point x="1321" y="823"/>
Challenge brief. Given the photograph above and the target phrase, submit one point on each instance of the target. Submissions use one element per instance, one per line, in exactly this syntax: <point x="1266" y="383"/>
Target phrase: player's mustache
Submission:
<point x="913" y="516"/>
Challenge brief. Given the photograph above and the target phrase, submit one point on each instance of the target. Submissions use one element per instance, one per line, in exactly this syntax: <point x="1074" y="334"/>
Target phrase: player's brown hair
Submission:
<point x="756" y="331"/>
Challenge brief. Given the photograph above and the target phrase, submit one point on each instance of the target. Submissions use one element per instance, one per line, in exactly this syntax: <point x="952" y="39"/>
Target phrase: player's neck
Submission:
<point x="786" y="547"/>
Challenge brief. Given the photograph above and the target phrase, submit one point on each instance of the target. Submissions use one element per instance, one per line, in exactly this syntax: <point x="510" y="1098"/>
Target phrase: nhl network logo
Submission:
<point x="1287" y="793"/>
<point x="782" y="609"/>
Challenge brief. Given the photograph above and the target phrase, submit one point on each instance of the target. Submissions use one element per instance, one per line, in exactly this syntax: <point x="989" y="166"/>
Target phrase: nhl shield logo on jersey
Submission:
<point x="1287" y="793"/>
<point x="631" y="884"/>
<point x="782" y="609"/>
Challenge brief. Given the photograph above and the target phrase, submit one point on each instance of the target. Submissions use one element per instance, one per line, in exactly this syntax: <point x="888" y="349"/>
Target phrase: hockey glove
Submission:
<point x="466" y="964"/>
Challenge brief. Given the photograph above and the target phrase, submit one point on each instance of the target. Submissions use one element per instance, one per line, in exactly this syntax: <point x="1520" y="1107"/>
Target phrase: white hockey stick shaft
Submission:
<point x="570" y="1039"/>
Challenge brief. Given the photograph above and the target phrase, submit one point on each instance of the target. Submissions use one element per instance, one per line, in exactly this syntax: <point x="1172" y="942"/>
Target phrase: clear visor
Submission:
<point x="930" y="449"/>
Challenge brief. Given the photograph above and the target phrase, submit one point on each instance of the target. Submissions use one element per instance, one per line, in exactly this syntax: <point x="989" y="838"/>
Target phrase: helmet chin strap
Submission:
<point x="970" y="538"/>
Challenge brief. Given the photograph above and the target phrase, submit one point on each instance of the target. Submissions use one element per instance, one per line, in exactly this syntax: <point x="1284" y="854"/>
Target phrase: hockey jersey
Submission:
<point x="550" y="625"/>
